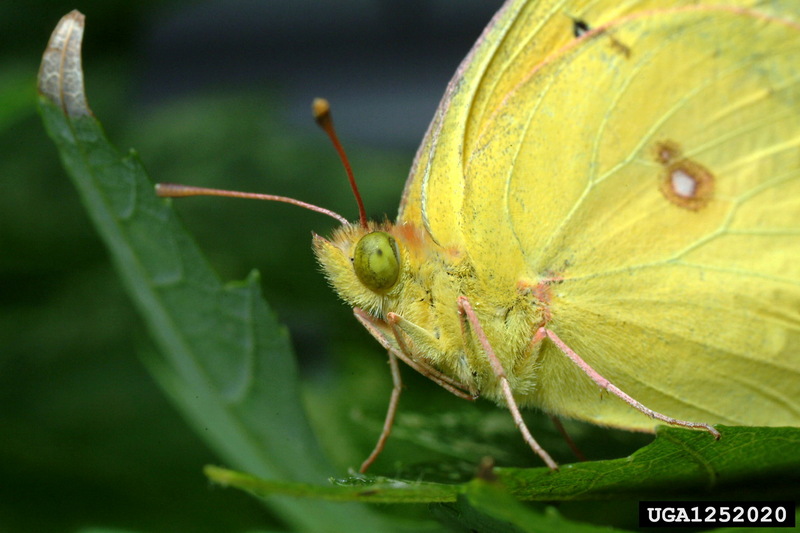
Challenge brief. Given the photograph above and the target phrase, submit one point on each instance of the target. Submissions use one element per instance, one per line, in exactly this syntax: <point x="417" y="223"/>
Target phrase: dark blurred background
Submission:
<point x="209" y="93"/>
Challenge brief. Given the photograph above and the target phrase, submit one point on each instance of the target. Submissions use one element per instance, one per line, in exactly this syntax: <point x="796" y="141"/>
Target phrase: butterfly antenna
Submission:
<point x="322" y="115"/>
<point x="174" y="190"/>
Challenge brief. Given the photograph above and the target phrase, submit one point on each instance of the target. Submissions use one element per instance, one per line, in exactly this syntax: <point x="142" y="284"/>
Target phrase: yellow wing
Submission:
<point x="650" y="167"/>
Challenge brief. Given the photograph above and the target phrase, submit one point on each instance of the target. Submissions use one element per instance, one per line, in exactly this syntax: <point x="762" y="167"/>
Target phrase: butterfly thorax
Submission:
<point x="419" y="313"/>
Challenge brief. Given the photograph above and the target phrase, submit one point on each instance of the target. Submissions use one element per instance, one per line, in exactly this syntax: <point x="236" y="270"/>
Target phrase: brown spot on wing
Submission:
<point x="684" y="182"/>
<point x="581" y="27"/>
<point x="619" y="47"/>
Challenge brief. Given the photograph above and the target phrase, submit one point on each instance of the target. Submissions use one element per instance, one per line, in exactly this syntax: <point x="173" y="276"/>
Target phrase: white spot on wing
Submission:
<point x="683" y="184"/>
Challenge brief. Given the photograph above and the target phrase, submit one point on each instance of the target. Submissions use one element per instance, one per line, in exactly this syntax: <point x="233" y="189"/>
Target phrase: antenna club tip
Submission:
<point x="175" y="190"/>
<point x="163" y="189"/>
<point x="321" y="109"/>
<point x="322" y="115"/>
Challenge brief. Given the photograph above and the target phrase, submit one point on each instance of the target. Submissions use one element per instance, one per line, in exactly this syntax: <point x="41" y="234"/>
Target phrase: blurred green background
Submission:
<point x="216" y="94"/>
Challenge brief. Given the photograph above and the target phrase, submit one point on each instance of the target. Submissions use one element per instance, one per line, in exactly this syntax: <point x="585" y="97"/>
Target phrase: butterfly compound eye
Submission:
<point x="376" y="261"/>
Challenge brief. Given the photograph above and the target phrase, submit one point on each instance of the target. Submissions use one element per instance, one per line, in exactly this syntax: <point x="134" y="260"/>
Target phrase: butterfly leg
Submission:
<point x="603" y="383"/>
<point x="571" y="443"/>
<point x="466" y="309"/>
<point x="400" y="350"/>
<point x="390" y="413"/>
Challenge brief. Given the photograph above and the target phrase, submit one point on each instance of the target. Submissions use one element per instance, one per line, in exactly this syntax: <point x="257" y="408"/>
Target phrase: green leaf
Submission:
<point x="747" y="462"/>
<point x="756" y="463"/>
<point x="226" y="362"/>
<point x="487" y="507"/>
<point x="360" y="488"/>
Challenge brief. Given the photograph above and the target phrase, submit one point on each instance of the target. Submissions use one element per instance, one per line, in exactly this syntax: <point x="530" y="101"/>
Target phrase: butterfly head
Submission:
<point x="365" y="265"/>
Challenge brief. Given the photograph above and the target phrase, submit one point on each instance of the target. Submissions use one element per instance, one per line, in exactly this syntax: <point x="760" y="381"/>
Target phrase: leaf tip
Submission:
<point x="61" y="73"/>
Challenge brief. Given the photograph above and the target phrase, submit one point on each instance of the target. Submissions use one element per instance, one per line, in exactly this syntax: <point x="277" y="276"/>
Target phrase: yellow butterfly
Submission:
<point x="608" y="198"/>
